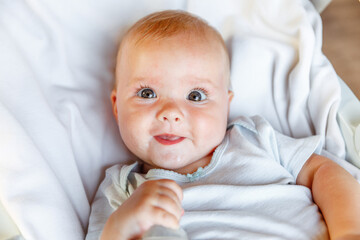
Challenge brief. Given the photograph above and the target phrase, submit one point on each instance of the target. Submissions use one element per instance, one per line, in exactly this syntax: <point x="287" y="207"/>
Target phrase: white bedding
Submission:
<point x="57" y="134"/>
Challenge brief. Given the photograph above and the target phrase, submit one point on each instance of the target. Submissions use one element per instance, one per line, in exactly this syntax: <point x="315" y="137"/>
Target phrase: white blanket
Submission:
<point x="57" y="134"/>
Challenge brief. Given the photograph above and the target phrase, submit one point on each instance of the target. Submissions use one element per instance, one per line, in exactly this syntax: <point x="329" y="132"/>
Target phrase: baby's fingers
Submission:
<point x="160" y="203"/>
<point x="164" y="218"/>
<point x="169" y="204"/>
<point x="173" y="186"/>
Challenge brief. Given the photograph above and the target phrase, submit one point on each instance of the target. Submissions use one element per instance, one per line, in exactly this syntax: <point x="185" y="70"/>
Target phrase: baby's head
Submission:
<point x="171" y="98"/>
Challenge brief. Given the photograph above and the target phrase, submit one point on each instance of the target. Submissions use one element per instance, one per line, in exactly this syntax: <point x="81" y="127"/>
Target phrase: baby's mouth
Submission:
<point x="168" y="139"/>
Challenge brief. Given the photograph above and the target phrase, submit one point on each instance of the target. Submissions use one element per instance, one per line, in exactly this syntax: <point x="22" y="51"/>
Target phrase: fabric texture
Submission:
<point x="248" y="189"/>
<point x="57" y="132"/>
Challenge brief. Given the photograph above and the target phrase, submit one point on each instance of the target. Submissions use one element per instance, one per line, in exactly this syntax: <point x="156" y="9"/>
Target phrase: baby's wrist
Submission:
<point x="116" y="228"/>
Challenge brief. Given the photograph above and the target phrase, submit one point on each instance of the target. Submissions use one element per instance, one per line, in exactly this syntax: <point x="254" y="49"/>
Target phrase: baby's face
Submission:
<point x="172" y="101"/>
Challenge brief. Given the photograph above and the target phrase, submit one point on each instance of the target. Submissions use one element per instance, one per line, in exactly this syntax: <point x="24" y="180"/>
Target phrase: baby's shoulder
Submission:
<point x="255" y="124"/>
<point x="116" y="174"/>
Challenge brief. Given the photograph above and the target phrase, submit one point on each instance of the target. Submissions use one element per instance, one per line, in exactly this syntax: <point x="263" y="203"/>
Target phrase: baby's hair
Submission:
<point x="170" y="23"/>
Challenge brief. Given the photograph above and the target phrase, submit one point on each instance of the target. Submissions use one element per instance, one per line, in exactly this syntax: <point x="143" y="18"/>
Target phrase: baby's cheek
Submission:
<point x="127" y="127"/>
<point x="212" y="130"/>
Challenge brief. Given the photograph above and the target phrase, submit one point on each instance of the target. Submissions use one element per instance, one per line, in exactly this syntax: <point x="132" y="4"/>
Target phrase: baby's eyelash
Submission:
<point x="141" y="87"/>
<point x="206" y="92"/>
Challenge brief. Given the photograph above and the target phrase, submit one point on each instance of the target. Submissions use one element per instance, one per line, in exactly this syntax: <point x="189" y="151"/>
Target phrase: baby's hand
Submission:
<point x="156" y="202"/>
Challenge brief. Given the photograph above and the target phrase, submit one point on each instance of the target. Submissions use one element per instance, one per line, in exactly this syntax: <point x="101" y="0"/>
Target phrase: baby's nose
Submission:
<point x="170" y="112"/>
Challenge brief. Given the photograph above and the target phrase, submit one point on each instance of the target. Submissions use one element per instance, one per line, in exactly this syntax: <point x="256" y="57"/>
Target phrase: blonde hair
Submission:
<point x="170" y="23"/>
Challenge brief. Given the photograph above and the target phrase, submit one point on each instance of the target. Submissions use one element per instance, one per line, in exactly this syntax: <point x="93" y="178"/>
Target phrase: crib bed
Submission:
<point x="57" y="134"/>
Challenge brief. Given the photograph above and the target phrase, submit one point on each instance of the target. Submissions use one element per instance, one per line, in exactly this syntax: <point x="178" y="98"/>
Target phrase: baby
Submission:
<point x="196" y="176"/>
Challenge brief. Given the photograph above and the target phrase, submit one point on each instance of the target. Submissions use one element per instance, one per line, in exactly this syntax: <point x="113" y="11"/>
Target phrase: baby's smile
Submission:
<point x="168" y="139"/>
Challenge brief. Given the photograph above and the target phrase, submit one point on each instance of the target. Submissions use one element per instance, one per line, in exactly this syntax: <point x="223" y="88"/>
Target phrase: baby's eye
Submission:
<point x="197" y="95"/>
<point x="146" y="93"/>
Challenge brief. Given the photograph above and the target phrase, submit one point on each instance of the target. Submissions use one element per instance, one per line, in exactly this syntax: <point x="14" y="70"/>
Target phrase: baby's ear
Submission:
<point x="231" y="96"/>
<point x="113" y="102"/>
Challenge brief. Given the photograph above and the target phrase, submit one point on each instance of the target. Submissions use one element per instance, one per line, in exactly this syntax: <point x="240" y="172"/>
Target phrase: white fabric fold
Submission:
<point x="278" y="69"/>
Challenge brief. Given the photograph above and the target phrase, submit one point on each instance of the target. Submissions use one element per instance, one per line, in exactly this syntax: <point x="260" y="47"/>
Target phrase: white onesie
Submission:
<point x="248" y="191"/>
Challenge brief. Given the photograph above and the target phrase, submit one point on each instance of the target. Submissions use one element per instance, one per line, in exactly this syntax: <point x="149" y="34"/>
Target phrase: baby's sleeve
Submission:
<point x="108" y="197"/>
<point x="293" y="153"/>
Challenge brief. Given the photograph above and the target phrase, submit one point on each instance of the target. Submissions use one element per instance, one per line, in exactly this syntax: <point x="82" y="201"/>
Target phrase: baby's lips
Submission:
<point x="168" y="139"/>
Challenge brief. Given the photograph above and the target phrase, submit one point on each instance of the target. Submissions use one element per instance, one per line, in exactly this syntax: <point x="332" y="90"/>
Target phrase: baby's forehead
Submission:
<point x="141" y="63"/>
<point x="210" y="47"/>
<point x="181" y="29"/>
<point x="190" y="41"/>
<point x="186" y="44"/>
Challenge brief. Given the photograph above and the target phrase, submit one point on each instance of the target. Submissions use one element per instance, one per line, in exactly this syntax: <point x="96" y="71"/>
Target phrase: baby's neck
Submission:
<point x="191" y="168"/>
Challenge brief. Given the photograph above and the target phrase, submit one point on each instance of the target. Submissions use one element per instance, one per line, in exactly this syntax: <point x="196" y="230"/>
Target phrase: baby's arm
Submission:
<point x="336" y="193"/>
<point x="154" y="202"/>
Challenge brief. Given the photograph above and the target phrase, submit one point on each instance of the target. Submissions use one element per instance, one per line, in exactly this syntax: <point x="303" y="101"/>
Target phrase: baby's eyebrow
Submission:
<point x="202" y="81"/>
<point x="191" y="80"/>
<point x="137" y="79"/>
<point x="147" y="80"/>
